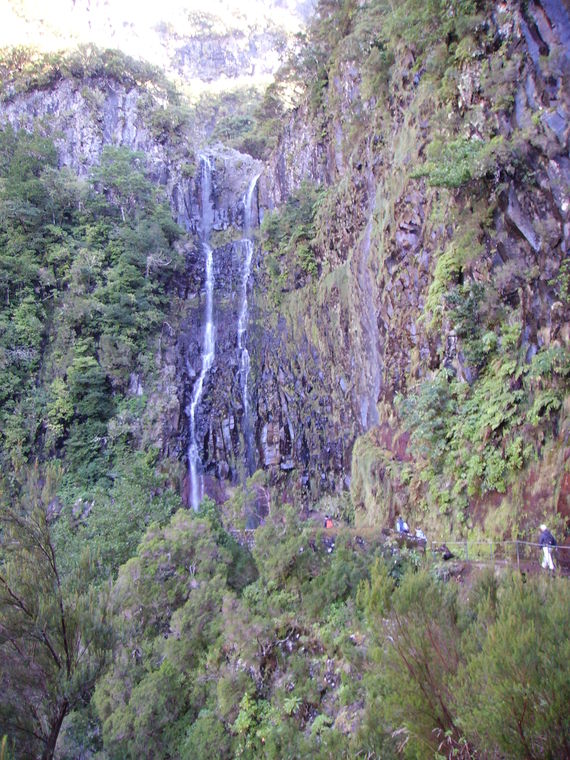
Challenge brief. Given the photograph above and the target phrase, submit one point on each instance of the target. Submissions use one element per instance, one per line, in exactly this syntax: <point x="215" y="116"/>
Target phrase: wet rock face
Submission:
<point x="220" y="421"/>
<point x="82" y="124"/>
<point x="325" y="370"/>
<point x="360" y="336"/>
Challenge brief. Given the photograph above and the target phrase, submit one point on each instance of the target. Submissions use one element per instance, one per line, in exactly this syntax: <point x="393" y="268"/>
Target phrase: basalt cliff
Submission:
<point x="369" y="315"/>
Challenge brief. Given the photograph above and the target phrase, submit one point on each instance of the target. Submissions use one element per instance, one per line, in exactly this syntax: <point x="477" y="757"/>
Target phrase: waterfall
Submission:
<point x="208" y="350"/>
<point x="244" y="362"/>
<point x="247" y="201"/>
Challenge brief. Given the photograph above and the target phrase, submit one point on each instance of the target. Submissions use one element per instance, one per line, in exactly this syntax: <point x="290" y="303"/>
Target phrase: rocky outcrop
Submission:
<point x="347" y="345"/>
<point x="82" y="118"/>
<point x="223" y="42"/>
<point x="301" y="155"/>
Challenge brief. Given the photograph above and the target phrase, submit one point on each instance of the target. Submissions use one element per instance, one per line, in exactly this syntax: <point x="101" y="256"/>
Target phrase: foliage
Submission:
<point x="469" y="676"/>
<point x="207" y="738"/>
<point x="424" y="23"/>
<point x="115" y="520"/>
<point x="521" y="670"/>
<point x="247" y="727"/>
<point x="192" y="654"/>
<point x="199" y="671"/>
<point x="86" y="269"/>
<point x="54" y="631"/>
<point x="428" y="414"/>
<point x="121" y="179"/>
<point x="166" y="602"/>
<point x="420" y="626"/>
<point x="457" y="162"/>
<point x="301" y="648"/>
<point x="480" y="436"/>
<point x="25" y="69"/>
<point x="85" y="272"/>
<point x="288" y="235"/>
<point x="242" y="569"/>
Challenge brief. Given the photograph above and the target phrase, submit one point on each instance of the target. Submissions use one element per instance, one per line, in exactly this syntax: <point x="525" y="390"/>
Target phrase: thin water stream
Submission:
<point x="209" y="344"/>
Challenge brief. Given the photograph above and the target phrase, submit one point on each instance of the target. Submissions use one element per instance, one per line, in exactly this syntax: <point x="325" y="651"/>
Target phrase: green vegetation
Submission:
<point x="259" y="127"/>
<point x="25" y="69"/>
<point x="129" y="627"/>
<point x="480" y="436"/>
<point x="320" y="652"/>
<point x="465" y="678"/>
<point x="87" y="268"/>
<point x="86" y="272"/>
<point x="55" y="634"/>
<point x="288" y="237"/>
<point x="460" y="161"/>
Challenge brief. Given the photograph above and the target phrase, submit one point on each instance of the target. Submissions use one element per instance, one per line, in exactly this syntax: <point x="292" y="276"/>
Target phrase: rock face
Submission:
<point x="83" y="119"/>
<point x="327" y="367"/>
<point x="225" y="41"/>
<point x="220" y="420"/>
<point x="346" y="347"/>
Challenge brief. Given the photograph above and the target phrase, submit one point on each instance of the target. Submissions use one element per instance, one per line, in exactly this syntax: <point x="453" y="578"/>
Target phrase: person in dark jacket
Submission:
<point x="547" y="543"/>
<point x="401" y="525"/>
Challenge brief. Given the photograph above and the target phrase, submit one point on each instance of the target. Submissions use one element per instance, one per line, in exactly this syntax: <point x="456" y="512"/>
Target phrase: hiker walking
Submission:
<point x="547" y="543"/>
<point x="401" y="525"/>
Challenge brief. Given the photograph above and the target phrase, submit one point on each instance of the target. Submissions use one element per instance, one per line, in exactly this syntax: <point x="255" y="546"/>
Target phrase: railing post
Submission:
<point x="518" y="560"/>
<point x="466" y="552"/>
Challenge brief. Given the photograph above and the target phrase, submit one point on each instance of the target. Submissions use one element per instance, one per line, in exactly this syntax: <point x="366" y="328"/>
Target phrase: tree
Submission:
<point x="118" y="517"/>
<point x="122" y="180"/>
<point x="166" y="605"/>
<point x="53" y="633"/>
<point x="515" y="691"/>
<point x="419" y="653"/>
<point x="90" y="393"/>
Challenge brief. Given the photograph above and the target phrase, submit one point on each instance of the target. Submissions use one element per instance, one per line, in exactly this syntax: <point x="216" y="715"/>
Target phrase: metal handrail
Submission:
<point x="517" y="546"/>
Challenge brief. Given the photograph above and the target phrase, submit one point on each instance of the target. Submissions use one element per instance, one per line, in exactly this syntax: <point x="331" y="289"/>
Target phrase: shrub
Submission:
<point x="515" y="690"/>
<point x="457" y="162"/>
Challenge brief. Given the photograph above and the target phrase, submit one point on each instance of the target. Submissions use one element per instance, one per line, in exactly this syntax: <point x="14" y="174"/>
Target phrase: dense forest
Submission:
<point x="408" y="343"/>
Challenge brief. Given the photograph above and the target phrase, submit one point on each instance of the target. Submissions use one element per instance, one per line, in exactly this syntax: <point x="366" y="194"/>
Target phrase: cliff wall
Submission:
<point x="409" y="339"/>
<point x="443" y="236"/>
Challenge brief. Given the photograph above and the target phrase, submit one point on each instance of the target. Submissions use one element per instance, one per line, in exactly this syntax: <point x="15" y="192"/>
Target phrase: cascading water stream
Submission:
<point x="208" y="351"/>
<point x="244" y="361"/>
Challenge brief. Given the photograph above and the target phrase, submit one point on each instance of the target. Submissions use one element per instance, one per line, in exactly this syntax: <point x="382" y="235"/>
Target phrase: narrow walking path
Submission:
<point x="523" y="555"/>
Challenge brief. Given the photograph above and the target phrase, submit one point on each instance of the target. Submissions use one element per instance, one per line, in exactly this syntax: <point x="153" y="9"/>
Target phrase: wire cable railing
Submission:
<point x="514" y="551"/>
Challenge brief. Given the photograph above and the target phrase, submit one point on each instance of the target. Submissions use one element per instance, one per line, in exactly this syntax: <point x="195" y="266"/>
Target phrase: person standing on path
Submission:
<point x="547" y="543"/>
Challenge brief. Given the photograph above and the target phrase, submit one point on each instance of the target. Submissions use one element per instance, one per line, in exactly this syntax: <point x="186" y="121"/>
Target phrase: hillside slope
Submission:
<point x="348" y="296"/>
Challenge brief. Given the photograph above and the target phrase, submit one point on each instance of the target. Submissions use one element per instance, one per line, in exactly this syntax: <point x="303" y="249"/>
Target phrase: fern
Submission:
<point x="291" y="705"/>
